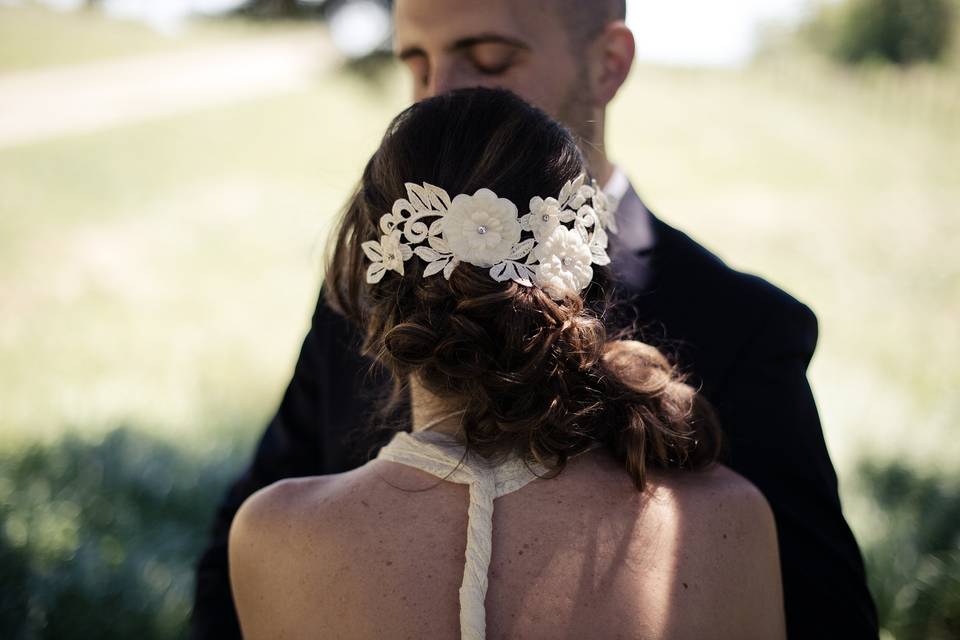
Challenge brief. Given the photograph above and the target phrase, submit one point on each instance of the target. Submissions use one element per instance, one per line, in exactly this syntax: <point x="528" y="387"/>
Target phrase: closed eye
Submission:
<point x="419" y="68"/>
<point x="492" y="71"/>
<point x="492" y="58"/>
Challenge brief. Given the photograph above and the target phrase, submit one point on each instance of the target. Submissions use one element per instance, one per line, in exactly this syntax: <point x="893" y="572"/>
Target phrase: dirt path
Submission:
<point x="39" y="105"/>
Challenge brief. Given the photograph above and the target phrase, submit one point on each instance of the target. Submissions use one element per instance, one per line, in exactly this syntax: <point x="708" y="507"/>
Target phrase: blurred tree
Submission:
<point x="322" y="9"/>
<point x="280" y="8"/>
<point x="897" y="31"/>
<point x="359" y="29"/>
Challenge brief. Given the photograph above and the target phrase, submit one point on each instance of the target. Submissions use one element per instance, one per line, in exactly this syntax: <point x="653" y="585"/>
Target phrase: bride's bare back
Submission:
<point x="583" y="555"/>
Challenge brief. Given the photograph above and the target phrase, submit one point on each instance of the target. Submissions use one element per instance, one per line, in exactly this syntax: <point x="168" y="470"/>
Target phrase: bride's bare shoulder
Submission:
<point x="307" y="509"/>
<point x="715" y="489"/>
<point x="729" y="565"/>
<point x="288" y="507"/>
<point x="268" y="522"/>
<point x="274" y="549"/>
<point x="715" y="486"/>
<point x="712" y="500"/>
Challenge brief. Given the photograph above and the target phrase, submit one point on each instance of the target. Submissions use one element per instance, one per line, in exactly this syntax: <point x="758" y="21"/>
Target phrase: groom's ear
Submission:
<point x="611" y="56"/>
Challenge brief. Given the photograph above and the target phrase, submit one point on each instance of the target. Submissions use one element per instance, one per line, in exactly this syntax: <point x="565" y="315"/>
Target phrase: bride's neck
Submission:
<point x="430" y="412"/>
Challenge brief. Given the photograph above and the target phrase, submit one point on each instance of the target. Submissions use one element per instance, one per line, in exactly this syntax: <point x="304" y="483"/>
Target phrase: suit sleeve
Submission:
<point x="776" y="441"/>
<point x="295" y="443"/>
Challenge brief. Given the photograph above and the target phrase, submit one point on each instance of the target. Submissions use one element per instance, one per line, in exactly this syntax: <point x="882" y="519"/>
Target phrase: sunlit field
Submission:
<point x="842" y="189"/>
<point x="156" y="279"/>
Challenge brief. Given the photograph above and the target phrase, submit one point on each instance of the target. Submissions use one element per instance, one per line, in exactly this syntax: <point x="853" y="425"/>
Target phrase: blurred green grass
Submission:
<point x="844" y="192"/>
<point x="34" y="37"/>
<point x="161" y="272"/>
<point x="156" y="280"/>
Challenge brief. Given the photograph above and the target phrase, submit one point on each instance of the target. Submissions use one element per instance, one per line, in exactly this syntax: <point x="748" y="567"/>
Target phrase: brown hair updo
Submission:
<point x="535" y="376"/>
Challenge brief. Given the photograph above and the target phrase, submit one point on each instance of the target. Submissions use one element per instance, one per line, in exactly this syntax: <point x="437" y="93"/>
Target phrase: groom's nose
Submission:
<point x="445" y="78"/>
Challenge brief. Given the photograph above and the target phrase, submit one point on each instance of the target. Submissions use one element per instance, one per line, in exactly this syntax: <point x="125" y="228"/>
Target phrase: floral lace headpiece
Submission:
<point x="485" y="230"/>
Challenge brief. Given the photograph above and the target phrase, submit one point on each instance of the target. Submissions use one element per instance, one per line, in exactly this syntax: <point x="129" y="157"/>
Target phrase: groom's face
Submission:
<point x="519" y="45"/>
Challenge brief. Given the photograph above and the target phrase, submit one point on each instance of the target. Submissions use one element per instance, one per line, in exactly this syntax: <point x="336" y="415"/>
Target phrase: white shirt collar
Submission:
<point x="633" y="218"/>
<point x="617" y="185"/>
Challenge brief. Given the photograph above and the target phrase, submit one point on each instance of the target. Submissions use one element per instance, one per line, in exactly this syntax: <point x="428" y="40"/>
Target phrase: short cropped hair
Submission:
<point x="584" y="19"/>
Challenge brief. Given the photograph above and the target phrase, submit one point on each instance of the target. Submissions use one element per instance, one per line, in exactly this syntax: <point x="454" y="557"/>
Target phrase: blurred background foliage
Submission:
<point x="100" y="536"/>
<point x="914" y="559"/>
<point x="901" y="32"/>
<point x="158" y="274"/>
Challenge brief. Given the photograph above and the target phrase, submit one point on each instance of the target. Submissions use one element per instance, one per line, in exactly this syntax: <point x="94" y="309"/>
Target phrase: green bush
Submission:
<point x="897" y="31"/>
<point x="914" y="565"/>
<point x="99" y="539"/>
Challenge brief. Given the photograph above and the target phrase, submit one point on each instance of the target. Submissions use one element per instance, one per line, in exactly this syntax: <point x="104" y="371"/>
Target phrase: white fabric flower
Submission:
<point x="386" y="255"/>
<point x="544" y="217"/>
<point x="481" y="229"/>
<point x="564" y="262"/>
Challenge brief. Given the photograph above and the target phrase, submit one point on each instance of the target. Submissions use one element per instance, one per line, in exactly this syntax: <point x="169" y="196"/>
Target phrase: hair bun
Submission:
<point x="639" y="365"/>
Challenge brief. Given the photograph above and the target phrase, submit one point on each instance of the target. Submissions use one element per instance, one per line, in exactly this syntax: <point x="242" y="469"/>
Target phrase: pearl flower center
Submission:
<point x="481" y="230"/>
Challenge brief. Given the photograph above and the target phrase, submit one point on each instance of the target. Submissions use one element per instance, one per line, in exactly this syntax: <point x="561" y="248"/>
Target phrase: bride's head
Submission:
<point x="532" y="367"/>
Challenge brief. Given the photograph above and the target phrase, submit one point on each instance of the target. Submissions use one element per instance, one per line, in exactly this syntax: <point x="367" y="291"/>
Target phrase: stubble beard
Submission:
<point x="576" y="111"/>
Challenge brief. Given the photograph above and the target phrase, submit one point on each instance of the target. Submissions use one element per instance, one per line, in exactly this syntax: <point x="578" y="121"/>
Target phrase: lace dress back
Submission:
<point x="440" y="455"/>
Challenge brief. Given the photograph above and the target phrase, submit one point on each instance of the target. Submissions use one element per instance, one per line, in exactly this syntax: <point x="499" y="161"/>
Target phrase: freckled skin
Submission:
<point x="694" y="556"/>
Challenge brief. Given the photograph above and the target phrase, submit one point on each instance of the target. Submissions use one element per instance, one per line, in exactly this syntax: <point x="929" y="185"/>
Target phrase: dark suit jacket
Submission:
<point x="746" y="343"/>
